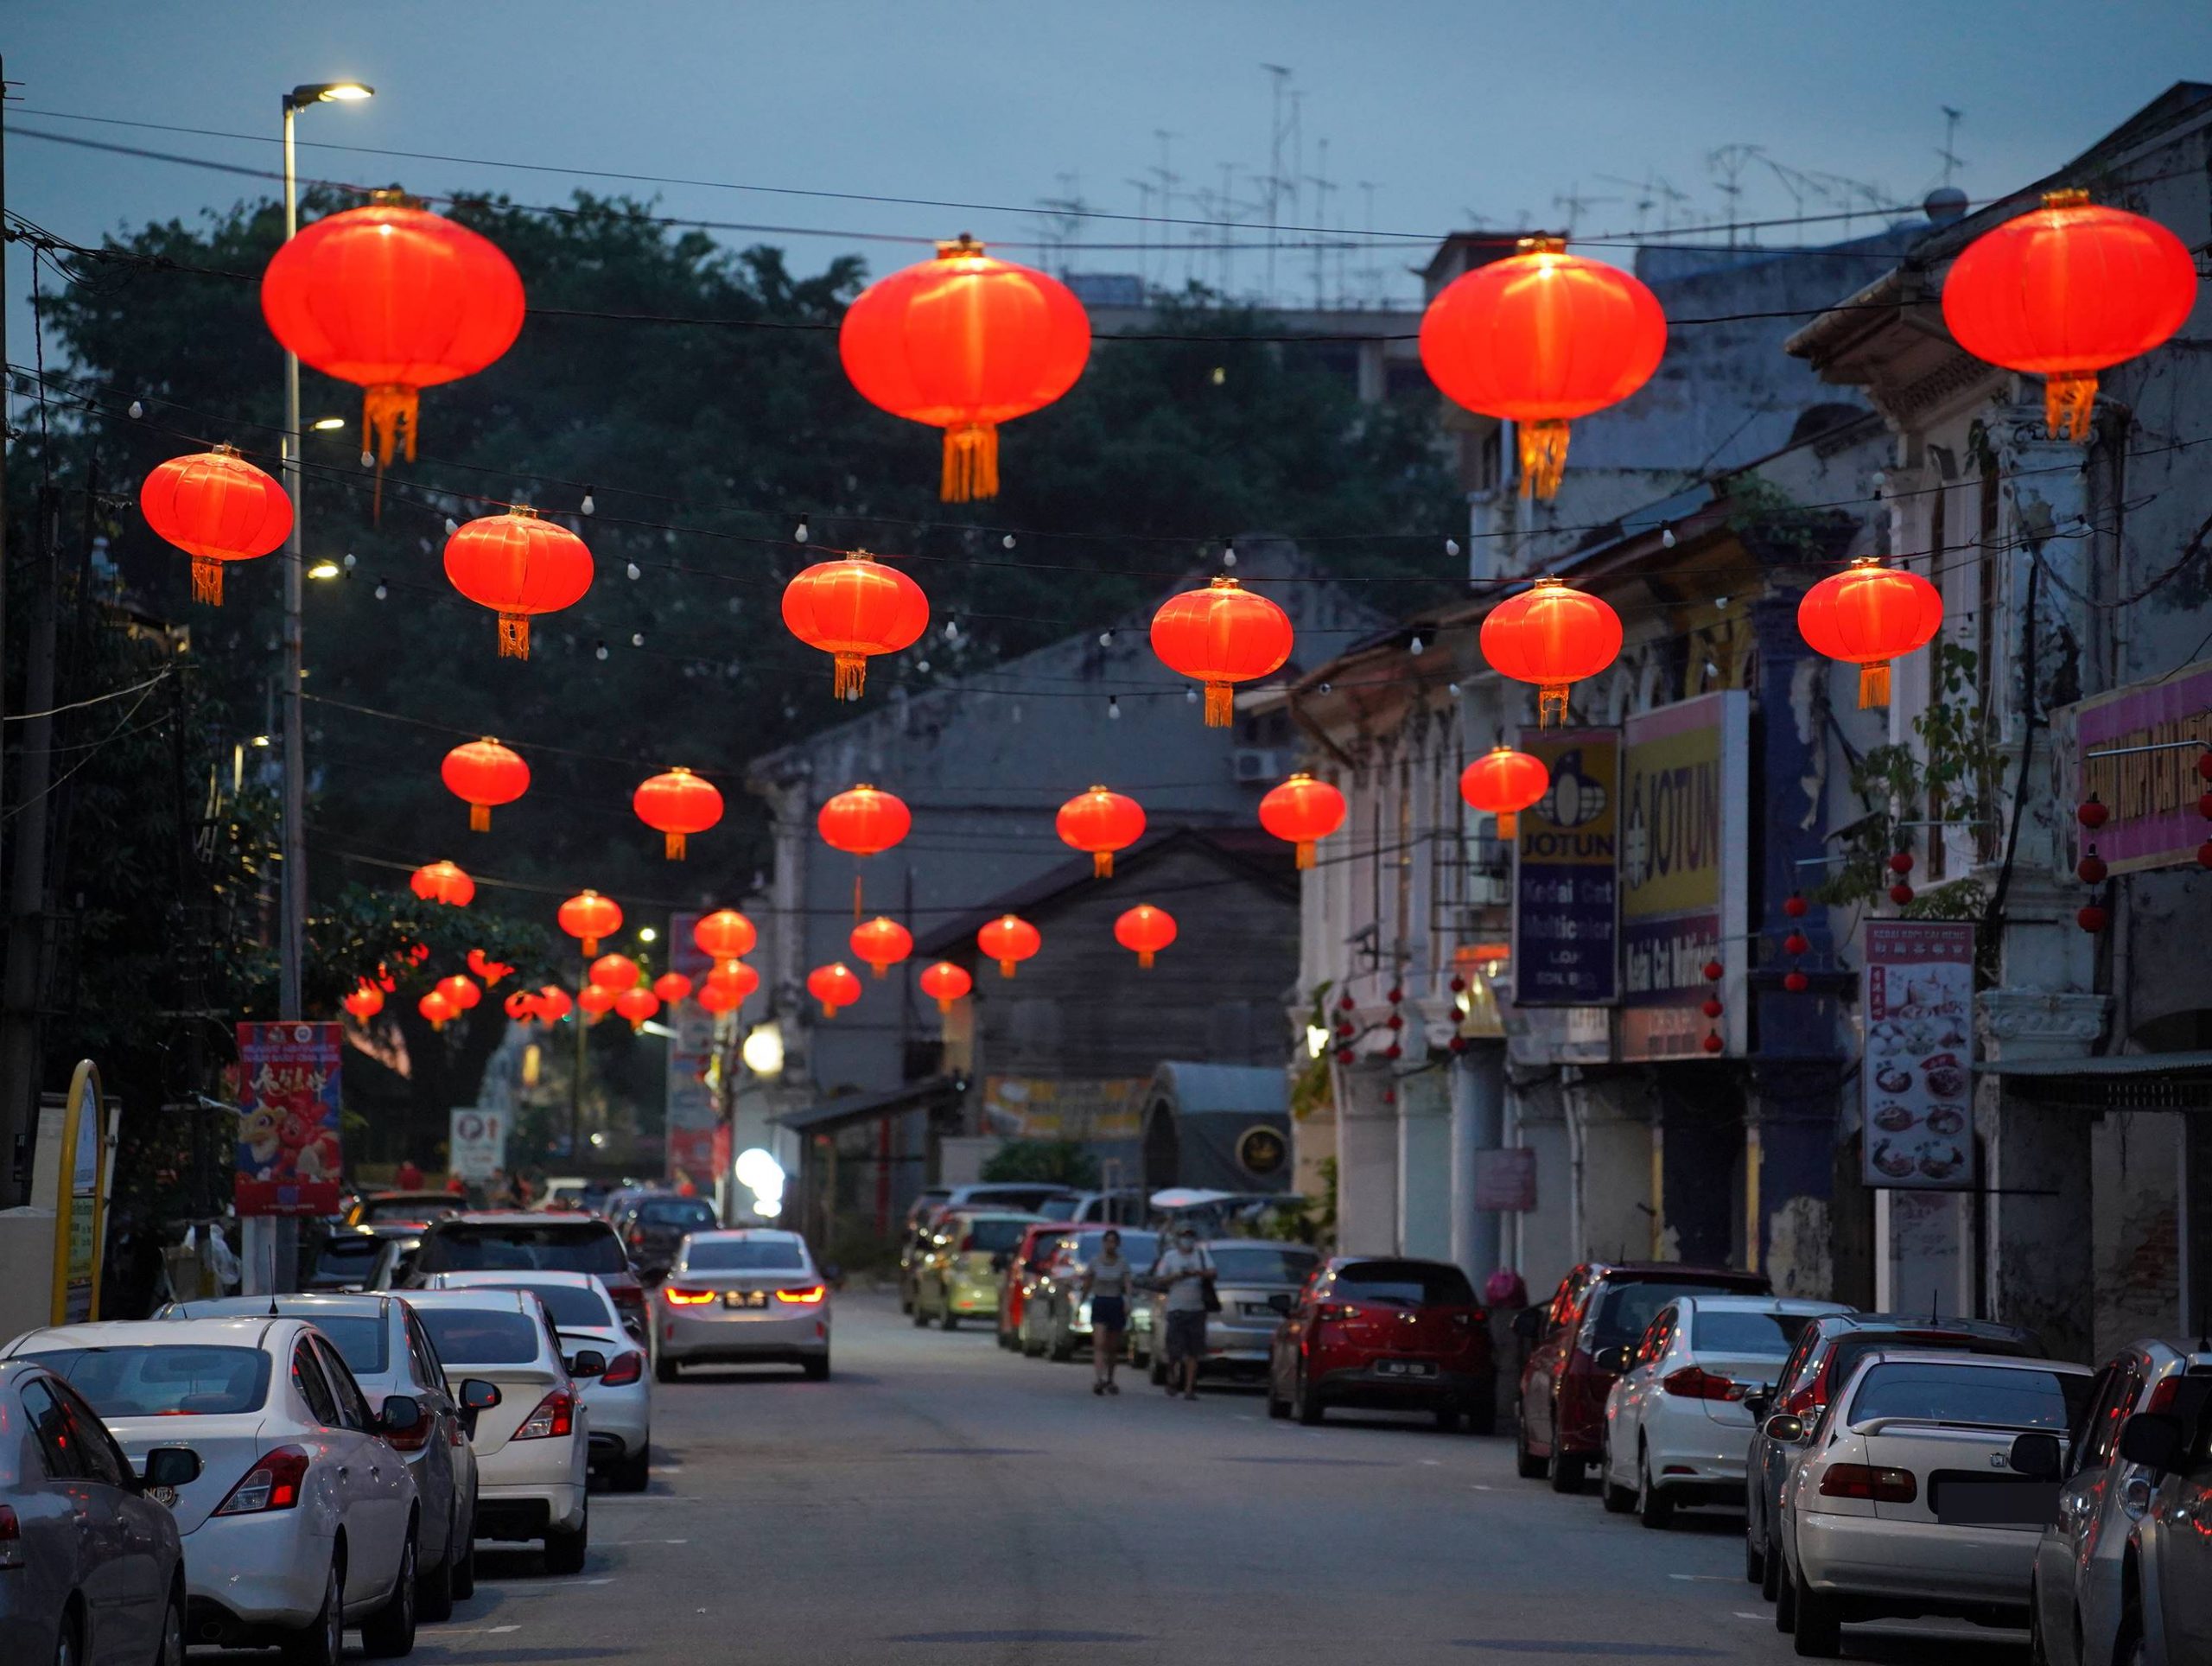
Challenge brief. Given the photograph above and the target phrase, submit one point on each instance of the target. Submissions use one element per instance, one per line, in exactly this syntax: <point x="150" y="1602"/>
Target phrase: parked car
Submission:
<point x="1907" y="1499"/>
<point x="293" y="1463"/>
<point x="404" y="1208"/>
<point x="1249" y="1274"/>
<point x="384" y="1346"/>
<point x="1676" y="1423"/>
<point x="394" y="1267"/>
<point x="2079" y="1608"/>
<point x="618" y="1398"/>
<point x="532" y="1433"/>
<point x="519" y="1241"/>
<point x="1012" y="1197"/>
<point x="957" y="1276"/>
<point x="652" y="1227"/>
<point x="1056" y="1317"/>
<point x="92" y="1565"/>
<point x="749" y="1295"/>
<point x="570" y="1192"/>
<point x="1124" y="1207"/>
<point x="1030" y="1258"/>
<point x="345" y="1260"/>
<point x="2166" y="1580"/>
<point x="1597" y="1307"/>
<point x="1388" y="1332"/>
<point x="1827" y="1353"/>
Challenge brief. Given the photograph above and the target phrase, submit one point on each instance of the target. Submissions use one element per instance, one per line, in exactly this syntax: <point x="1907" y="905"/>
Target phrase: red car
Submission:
<point x="1596" y="1307"/>
<point x="1386" y="1332"/>
<point x="1030" y="1258"/>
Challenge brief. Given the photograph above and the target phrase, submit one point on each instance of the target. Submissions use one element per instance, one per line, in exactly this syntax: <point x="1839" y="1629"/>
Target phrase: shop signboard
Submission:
<point x="289" y="1156"/>
<point x="1565" y="885"/>
<point x="2136" y="749"/>
<point x="476" y="1142"/>
<point x="1916" y="996"/>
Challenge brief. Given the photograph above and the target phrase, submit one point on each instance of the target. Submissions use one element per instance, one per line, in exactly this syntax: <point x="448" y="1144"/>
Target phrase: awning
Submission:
<point x="2120" y="1081"/>
<point x="847" y="1109"/>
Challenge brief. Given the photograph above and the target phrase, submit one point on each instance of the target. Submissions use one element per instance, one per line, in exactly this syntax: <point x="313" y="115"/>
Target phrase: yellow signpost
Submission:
<point x="80" y="1201"/>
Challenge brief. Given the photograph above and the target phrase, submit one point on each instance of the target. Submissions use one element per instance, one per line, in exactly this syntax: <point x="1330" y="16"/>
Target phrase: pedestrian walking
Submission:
<point x="410" y="1177"/>
<point x="1106" y="1282"/>
<point x="1186" y="1273"/>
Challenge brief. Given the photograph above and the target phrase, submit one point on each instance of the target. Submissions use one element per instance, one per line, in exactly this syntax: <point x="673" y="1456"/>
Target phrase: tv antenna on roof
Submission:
<point x="1952" y="161"/>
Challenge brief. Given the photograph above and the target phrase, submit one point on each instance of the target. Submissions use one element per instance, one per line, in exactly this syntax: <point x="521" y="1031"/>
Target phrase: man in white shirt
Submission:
<point x="1182" y="1272"/>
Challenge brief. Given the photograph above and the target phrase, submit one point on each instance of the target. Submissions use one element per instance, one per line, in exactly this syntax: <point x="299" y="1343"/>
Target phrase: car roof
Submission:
<point x="476" y="1295"/>
<point x="513" y="1278"/>
<point x="1006" y="1215"/>
<point x="1744" y="1301"/>
<point x="301" y="1304"/>
<point x="424" y="1195"/>
<point x="1973" y="1361"/>
<point x="520" y="1218"/>
<point x="1338" y="1261"/>
<point x="734" y="1234"/>
<point x="240" y="1332"/>
<point x="1256" y="1243"/>
<point x="1944" y="1323"/>
<point x="1645" y="1272"/>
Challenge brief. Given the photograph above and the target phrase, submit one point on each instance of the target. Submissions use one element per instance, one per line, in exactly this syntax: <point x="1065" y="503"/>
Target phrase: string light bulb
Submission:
<point x="1105" y="638"/>
<point x="349" y="563"/>
<point x="1007" y="543"/>
<point x="1451" y="546"/>
<point x="1228" y="555"/>
<point x="382" y="590"/>
<point x="599" y="653"/>
<point x="637" y="638"/>
<point x="136" y="409"/>
<point x="589" y="505"/>
<point x="1114" y="706"/>
<point x="1666" y="537"/>
<point x="1415" y="646"/>
<point x="633" y="570"/>
<point x="801" y="534"/>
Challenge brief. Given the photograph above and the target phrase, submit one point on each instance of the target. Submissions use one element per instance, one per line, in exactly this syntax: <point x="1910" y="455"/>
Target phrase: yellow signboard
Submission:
<point x="80" y="1202"/>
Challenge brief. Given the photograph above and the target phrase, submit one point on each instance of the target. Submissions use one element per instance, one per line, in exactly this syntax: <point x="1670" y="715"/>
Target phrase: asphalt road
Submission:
<point x="941" y="1500"/>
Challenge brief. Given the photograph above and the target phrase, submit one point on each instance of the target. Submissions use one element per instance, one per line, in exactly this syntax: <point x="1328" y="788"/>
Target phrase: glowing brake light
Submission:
<point x="625" y="1367"/>
<point x="1691" y="1383"/>
<point x="813" y="1293"/>
<point x="1884" y="1485"/>
<point x="273" y="1483"/>
<point x="556" y="1414"/>
<point x="686" y="1298"/>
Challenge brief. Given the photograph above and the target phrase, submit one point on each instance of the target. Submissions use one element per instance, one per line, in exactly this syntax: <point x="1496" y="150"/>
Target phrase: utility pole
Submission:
<point x="292" y="880"/>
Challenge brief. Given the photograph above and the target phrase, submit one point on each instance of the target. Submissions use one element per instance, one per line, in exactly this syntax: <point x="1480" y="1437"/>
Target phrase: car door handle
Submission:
<point x="345" y="1472"/>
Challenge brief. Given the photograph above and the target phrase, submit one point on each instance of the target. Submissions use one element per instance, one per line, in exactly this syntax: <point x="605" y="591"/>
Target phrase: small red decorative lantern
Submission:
<point x="589" y="917"/>
<point x="724" y="935"/>
<point x="1714" y="971"/>
<point x="853" y="609"/>
<point x="1901" y="893"/>
<point x="1711" y="1006"/>
<point x="2204" y="853"/>
<point x="671" y="986"/>
<point x="833" y="986"/>
<point x="964" y="342"/>
<point x="1552" y="635"/>
<point x="215" y="507"/>
<point x="1796" y="944"/>
<point x="676" y="804"/>
<point x="485" y="967"/>
<point x="1145" y="930"/>
<point x="1795" y="982"/>
<point x="461" y="991"/>
<point x="438" y="1007"/>
<point x="2093" y="918"/>
<point x="1713" y="1042"/>
<point x="2094" y="812"/>
<point x="881" y="943"/>
<point x="1009" y="939"/>
<point x="945" y="983"/>
<point x="863" y="820"/>
<point x="1503" y="782"/>
<point x="1867" y="615"/>
<point x="1102" y="823"/>
<point x="365" y="1002"/>
<point x="554" y="1004"/>
<point x="484" y="774"/>
<point x="442" y="882"/>
<point x="636" y="1006"/>
<point x="522" y="1006"/>
<point x="1302" y="811"/>
<point x="713" y="998"/>
<point x="595" y="1001"/>
<point x="1794" y="905"/>
<point x="2066" y="290"/>
<point x="733" y="978"/>
<point x="2092" y="868"/>
<point x="1220" y="636"/>
<point x="517" y="565"/>
<point x="1900" y="862"/>
<point x="615" y="972"/>
<point x="1540" y="338"/>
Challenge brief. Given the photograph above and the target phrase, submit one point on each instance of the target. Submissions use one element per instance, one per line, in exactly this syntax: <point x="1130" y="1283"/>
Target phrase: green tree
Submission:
<point x="1059" y="1162"/>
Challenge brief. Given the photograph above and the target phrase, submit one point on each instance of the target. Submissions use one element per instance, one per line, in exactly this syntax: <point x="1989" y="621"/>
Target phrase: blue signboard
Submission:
<point x="1567" y="877"/>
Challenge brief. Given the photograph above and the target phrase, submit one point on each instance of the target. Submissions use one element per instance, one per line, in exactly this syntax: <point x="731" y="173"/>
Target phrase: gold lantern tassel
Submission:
<point x="1543" y="458"/>
<point x="880" y="966"/>
<point x="1005" y="968"/>
<point x="850" y="677"/>
<point x="828" y="1010"/>
<point x="1874" y="683"/>
<point x="2069" y="397"/>
<point x="514" y="636"/>
<point x="1551" y="700"/>
<point x="1221" y="705"/>
<point x="1509" y="823"/>
<point x="208" y="581"/>
<point x="1144" y="959"/>
<point x="1305" y="853"/>
<point x="590" y="947"/>
<point x="389" y="413"/>
<point x="944" y="1006"/>
<point x="480" y="819"/>
<point x="971" y="462"/>
<point x="675" y="844"/>
<point x="1102" y="864"/>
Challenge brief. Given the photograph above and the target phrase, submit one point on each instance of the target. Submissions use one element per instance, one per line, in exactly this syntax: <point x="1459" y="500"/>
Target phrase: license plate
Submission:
<point x="744" y="1297"/>
<point x="1256" y="1310"/>
<point x="1405" y="1368"/>
<point x="1962" y="1503"/>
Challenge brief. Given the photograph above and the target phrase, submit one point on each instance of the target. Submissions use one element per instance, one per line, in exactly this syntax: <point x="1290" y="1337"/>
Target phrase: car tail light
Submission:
<point x="556" y="1414"/>
<point x="811" y="1294"/>
<point x="2163" y="1397"/>
<point x="625" y="1367"/>
<point x="683" y="1297"/>
<point x="1692" y="1384"/>
<point x="1883" y="1485"/>
<point x="11" y="1540"/>
<point x="273" y="1483"/>
<point x="637" y="1237"/>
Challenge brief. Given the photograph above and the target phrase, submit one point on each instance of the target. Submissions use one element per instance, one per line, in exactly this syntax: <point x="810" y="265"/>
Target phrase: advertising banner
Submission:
<point x="1686" y="810"/>
<point x="289" y="1155"/>
<point x="476" y="1143"/>
<point x="2151" y="795"/>
<point x="691" y="1120"/>
<point x="1566" y="883"/>
<point x="1917" y="992"/>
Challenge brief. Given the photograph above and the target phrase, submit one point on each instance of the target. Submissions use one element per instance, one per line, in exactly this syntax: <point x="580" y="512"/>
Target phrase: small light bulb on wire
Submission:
<point x="1415" y="646"/>
<point x="952" y="630"/>
<point x="599" y="653"/>
<point x="452" y="526"/>
<point x="589" y="506"/>
<point x="1191" y="697"/>
<point x="801" y="535"/>
<point x="1105" y="638"/>
<point x="368" y="459"/>
<point x="136" y="409"/>
<point x="1228" y="555"/>
<point x="922" y="666"/>
<point x="1007" y="543"/>
<point x="382" y="590"/>
<point x="633" y="570"/>
<point x="349" y="563"/>
<point x="637" y="638"/>
<point x="1114" y="705"/>
<point x="1666" y="537"/>
<point x="1451" y="546"/>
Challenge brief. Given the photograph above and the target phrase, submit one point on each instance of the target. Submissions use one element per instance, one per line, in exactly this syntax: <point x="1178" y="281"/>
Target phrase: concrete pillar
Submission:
<point x="1790" y="1175"/>
<point x="1366" y="1162"/>
<point x="1477" y="1089"/>
<point x="1613" y="1201"/>
<point x="2137" y="1165"/>
<point x="1541" y="1243"/>
<point x="1424" y="1165"/>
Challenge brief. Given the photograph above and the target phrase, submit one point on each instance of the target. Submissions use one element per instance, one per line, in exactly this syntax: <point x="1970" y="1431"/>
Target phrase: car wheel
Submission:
<point x="921" y="1318"/>
<point x="1771" y="1569"/>
<point x="949" y="1319"/>
<point x="1754" y="1556"/>
<point x="322" y="1640"/>
<point x="65" y="1643"/>
<point x="1305" y="1404"/>
<point x="464" y="1564"/>
<point x="565" y="1547"/>
<point x="1819" y="1622"/>
<point x="1653" y="1508"/>
<point x="389" y="1634"/>
<point x="665" y="1370"/>
<point x="1566" y="1472"/>
<point x="1785" y="1595"/>
<point x="1526" y="1464"/>
<point x="1277" y="1406"/>
<point x="818" y="1370"/>
<point x="170" y="1651"/>
<point x="633" y="1473"/>
<point x="434" y="1598"/>
<point x="1617" y="1500"/>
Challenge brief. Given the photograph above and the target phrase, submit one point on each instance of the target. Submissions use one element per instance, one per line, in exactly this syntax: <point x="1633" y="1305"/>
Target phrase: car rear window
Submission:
<point x="346" y="1257"/>
<point x="1625" y="1310"/>
<point x="1735" y="1330"/>
<point x="359" y="1336"/>
<point x="1409" y="1283"/>
<point x="567" y="1247"/>
<point x="1257" y="1266"/>
<point x="688" y="1212"/>
<point x="184" y="1380"/>
<point x="1977" y="1394"/>
<point x="1059" y="1209"/>
<point x="571" y="1305"/>
<point x="1855" y="1345"/>
<point x="481" y="1336"/>
<point x="991" y="1236"/>
<point x="744" y="1256"/>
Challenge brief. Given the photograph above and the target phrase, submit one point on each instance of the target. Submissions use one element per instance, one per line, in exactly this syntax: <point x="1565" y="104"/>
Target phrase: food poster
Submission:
<point x="1917" y="996"/>
<point x="288" y="1158"/>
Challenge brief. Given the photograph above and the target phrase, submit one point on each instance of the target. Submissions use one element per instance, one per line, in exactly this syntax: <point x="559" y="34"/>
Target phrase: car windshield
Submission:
<point x="568" y="1247"/>
<point x="1142" y="1248"/>
<point x="689" y="1213"/>
<point x="1239" y="1265"/>
<point x="184" y="1380"/>
<point x="573" y="1305"/>
<point x="1736" y="1331"/>
<point x="1981" y="1394"/>
<point x="359" y="1336"/>
<point x="1059" y="1209"/>
<point x="990" y="1236"/>
<point x="1625" y="1310"/>
<point x="744" y="1256"/>
<point x="481" y="1336"/>
<point x="1405" y="1284"/>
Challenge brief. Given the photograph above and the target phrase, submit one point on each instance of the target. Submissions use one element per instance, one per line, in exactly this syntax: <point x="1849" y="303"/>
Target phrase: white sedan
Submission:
<point x="1676" y="1428"/>
<point x="303" y="1520"/>
<point x="741" y="1297"/>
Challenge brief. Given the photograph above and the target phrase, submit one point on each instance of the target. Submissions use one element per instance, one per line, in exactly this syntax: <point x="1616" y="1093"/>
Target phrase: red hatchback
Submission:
<point x="1596" y="1307"/>
<point x="1030" y="1257"/>
<point x="1387" y="1333"/>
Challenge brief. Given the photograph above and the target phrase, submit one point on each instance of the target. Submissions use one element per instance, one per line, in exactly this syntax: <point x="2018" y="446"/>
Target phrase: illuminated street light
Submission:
<point x="327" y="424"/>
<point x="763" y="1050"/>
<point x="323" y="569"/>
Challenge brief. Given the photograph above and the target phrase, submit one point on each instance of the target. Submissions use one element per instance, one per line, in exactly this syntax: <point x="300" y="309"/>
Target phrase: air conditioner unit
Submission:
<point x="1258" y="763"/>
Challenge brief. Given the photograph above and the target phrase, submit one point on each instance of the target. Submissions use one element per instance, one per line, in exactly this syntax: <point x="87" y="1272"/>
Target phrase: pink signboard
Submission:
<point x="2151" y="794"/>
<point x="1916" y="993"/>
<point x="289" y="1161"/>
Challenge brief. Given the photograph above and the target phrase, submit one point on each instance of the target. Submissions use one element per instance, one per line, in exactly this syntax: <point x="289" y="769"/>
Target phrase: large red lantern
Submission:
<point x="1538" y="339"/>
<point x="672" y="987"/>
<point x="1867" y="615"/>
<point x="724" y="935"/>
<point x="442" y="882"/>
<point x="615" y="972"/>
<point x="881" y="943"/>
<point x="854" y="608"/>
<point x="1219" y="636"/>
<point x="1551" y="635"/>
<point x="215" y="507"/>
<point x="595" y="1001"/>
<point x="2066" y="290"/>
<point x="945" y="984"/>
<point x="1504" y="783"/>
<point x="1302" y="811"/>
<point x="393" y="299"/>
<point x="964" y="342"/>
<point x="863" y="820"/>
<point x="1009" y="939"/>
<point x="713" y="999"/>
<point x="1101" y="823"/>
<point x="553" y="1003"/>
<point x="517" y="565"/>
<point x="365" y="1003"/>
<point x="438" y="1007"/>
<point x="522" y="1006"/>
<point x="461" y="991"/>
<point x="589" y="917"/>
<point x="833" y="986"/>
<point x="1146" y="931"/>
<point x="735" y="979"/>
<point x="676" y="804"/>
<point x="484" y="774"/>
<point x="636" y="1006"/>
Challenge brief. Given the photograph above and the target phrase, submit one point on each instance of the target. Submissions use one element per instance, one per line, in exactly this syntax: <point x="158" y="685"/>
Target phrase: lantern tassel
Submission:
<point x="971" y="462"/>
<point x="514" y="636"/>
<point x="1102" y="864"/>
<point x="1551" y="701"/>
<point x="850" y="677"/>
<point x="1509" y="823"/>
<point x="1305" y="853"/>
<point x="2069" y="397"/>
<point x="590" y="947"/>
<point x="388" y="417"/>
<point x="675" y="845"/>
<point x="1144" y="959"/>
<point x="208" y="581"/>
<point x="1005" y="968"/>
<point x="1221" y="705"/>
<point x="881" y="966"/>
<point x="944" y="1006"/>
<point x="828" y="1010"/>
<point x="480" y="819"/>
<point x="1543" y="458"/>
<point x="1874" y="683"/>
<point x="856" y="893"/>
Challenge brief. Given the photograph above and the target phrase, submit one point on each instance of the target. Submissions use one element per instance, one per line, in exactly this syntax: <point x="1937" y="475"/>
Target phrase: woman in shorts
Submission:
<point x="1106" y="1282"/>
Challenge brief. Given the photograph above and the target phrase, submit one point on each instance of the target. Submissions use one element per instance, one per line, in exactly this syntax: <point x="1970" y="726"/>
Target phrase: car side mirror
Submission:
<point x="587" y="1362"/>
<point x="1529" y="1324"/>
<point x="171" y="1467"/>
<point x="1758" y="1403"/>
<point x="2153" y="1439"/>
<point x="1785" y="1428"/>
<point x="400" y="1412"/>
<point x="1614" y="1359"/>
<point x="477" y="1394"/>
<point x="2038" y="1457"/>
<point x="1283" y="1303"/>
<point x="631" y="1325"/>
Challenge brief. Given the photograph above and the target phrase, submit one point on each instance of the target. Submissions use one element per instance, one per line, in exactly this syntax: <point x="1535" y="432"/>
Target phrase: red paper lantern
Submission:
<point x="438" y="1007"/>
<point x="365" y="1002"/>
<point x="1102" y="823"/>
<point x="671" y="986"/>
<point x="1713" y="1042"/>
<point x="1867" y="615"/>
<point x="945" y="983"/>
<point x="2093" y="918"/>
<point x="484" y="774"/>
<point x="716" y="1000"/>
<point x="636" y="1006"/>
<point x="2092" y="868"/>
<point x="589" y="917"/>
<point x="676" y="804"/>
<point x="1009" y="939"/>
<point x="964" y="342"/>
<point x="215" y="507"/>
<point x="595" y="1001"/>
<point x="1900" y="862"/>
<point x="1796" y="944"/>
<point x="1711" y="1006"/>
<point x="853" y="609"/>
<point x="461" y="991"/>
<point x="396" y="300"/>
<point x="735" y="979"/>
<point x="522" y="1006"/>
<point x="1220" y="636"/>
<point x="862" y="821"/>
<point x="1504" y="783"/>
<point x="724" y="935"/>
<point x="615" y="972"/>
<point x="485" y="967"/>
<point x="1714" y="971"/>
<point x="1145" y="930"/>
<point x="1795" y="982"/>
<point x="2066" y="290"/>
<point x="1794" y="905"/>
<point x="553" y="1003"/>
<point x="1551" y="635"/>
<point x="1302" y="811"/>
<point x="833" y="986"/>
<point x="881" y="943"/>
<point x="517" y="565"/>
<point x="2094" y="812"/>
<point x="1538" y="339"/>
<point x="442" y="882"/>
<point x="1900" y="893"/>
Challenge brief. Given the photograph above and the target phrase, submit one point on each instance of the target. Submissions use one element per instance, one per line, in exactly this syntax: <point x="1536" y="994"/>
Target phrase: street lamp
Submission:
<point x="293" y="945"/>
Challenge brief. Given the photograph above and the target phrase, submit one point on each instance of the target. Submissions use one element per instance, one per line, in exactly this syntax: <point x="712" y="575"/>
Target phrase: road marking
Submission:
<point x="605" y="1581"/>
<point x="1740" y="1614"/>
<point x="1716" y="1578"/>
<point x="1479" y="1487"/>
<point x="496" y="1630"/>
<point x="1431" y="1463"/>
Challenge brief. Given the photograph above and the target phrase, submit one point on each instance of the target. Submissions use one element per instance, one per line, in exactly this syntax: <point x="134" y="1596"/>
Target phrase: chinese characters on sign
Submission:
<point x="289" y="1159"/>
<point x="2151" y="793"/>
<point x="1917" y="995"/>
<point x="1565" y="900"/>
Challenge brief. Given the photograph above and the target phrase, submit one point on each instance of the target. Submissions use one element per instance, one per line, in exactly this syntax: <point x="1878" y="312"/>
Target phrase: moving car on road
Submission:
<point x="1056" y="1318"/>
<point x="957" y="1276"/>
<point x="1387" y="1332"/>
<point x="1250" y="1274"/>
<point x="748" y="1296"/>
<point x="652" y="1227"/>
<point x="301" y="1521"/>
<point x="517" y="1241"/>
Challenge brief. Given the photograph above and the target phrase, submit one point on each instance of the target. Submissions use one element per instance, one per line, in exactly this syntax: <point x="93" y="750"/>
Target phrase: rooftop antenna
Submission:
<point x="1279" y="74"/>
<point x="1144" y="234"/>
<point x="1727" y="165"/>
<point x="1168" y="181"/>
<point x="1322" y="190"/>
<point x="1952" y="161"/>
<point x="1573" y="202"/>
<point x="1370" y="281"/>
